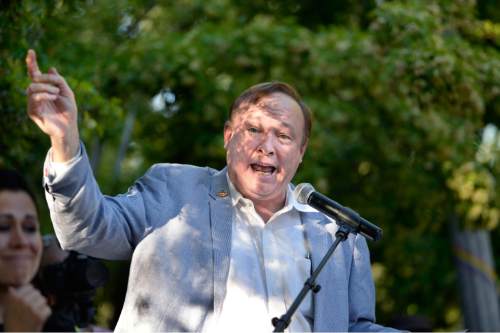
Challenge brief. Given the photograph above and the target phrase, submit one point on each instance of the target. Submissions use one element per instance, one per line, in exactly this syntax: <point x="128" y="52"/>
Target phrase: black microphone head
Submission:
<point x="302" y="193"/>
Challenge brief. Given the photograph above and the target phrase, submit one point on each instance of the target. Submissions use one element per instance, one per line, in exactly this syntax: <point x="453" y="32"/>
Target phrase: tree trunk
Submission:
<point x="477" y="280"/>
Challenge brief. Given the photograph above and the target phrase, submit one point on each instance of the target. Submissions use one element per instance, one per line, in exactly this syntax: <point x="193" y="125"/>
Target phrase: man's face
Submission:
<point x="265" y="145"/>
<point x="20" y="240"/>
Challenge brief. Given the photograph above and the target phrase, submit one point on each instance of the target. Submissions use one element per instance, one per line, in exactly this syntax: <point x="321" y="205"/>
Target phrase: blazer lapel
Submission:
<point x="221" y="227"/>
<point x="319" y="231"/>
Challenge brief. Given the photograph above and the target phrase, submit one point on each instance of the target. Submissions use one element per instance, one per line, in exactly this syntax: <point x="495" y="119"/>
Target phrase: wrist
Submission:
<point x="65" y="148"/>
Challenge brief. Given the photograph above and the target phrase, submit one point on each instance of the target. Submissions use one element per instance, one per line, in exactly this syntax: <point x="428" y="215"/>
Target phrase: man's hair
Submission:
<point x="11" y="180"/>
<point x="253" y="94"/>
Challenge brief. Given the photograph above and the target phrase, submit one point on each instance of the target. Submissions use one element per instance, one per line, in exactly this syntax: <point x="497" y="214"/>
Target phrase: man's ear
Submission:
<point x="303" y="149"/>
<point x="228" y="133"/>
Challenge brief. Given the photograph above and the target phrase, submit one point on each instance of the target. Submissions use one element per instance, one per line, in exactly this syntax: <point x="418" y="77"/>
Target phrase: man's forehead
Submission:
<point x="262" y="115"/>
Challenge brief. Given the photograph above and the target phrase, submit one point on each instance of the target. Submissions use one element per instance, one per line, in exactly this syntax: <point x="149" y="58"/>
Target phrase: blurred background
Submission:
<point x="406" y="104"/>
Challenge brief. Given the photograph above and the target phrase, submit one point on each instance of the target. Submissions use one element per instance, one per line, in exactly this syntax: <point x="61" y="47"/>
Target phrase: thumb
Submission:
<point x="53" y="70"/>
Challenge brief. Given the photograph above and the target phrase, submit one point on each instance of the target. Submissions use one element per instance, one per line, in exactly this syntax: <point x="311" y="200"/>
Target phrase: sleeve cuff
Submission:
<point x="53" y="169"/>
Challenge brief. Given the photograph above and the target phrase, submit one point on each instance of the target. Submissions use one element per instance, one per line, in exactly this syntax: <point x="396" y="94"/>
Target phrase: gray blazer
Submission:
<point x="176" y="226"/>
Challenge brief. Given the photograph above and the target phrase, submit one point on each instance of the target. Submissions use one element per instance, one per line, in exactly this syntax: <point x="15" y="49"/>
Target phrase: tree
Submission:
<point x="400" y="91"/>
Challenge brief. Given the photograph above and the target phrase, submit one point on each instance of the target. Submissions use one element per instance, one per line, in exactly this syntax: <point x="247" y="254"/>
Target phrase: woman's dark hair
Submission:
<point x="11" y="180"/>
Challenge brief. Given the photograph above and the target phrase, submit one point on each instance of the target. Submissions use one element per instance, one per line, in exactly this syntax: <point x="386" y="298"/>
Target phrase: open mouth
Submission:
<point x="265" y="169"/>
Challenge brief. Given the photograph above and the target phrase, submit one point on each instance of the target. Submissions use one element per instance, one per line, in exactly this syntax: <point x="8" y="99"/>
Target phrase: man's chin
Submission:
<point x="266" y="193"/>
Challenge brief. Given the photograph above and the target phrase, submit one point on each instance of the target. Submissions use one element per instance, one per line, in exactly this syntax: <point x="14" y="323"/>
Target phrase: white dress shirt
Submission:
<point x="268" y="266"/>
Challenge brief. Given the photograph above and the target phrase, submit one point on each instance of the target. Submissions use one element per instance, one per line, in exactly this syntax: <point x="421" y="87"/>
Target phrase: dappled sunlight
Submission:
<point x="474" y="183"/>
<point x="170" y="276"/>
<point x="401" y="92"/>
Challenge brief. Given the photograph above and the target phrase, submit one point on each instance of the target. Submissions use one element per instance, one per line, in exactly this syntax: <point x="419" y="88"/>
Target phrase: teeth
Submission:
<point x="263" y="168"/>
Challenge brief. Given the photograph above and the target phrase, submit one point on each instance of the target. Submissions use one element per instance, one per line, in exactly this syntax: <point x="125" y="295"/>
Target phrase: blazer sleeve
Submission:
<point x="362" y="291"/>
<point x="87" y="221"/>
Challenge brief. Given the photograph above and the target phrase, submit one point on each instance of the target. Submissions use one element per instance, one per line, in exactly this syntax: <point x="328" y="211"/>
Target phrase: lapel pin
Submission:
<point x="222" y="194"/>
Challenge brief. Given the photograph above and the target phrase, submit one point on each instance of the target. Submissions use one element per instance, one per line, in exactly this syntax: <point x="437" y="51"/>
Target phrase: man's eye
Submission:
<point x="4" y="227"/>
<point x="253" y="130"/>
<point x="284" y="137"/>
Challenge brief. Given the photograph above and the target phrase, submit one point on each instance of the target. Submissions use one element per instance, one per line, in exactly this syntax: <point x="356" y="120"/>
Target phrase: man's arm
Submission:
<point x="84" y="219"/>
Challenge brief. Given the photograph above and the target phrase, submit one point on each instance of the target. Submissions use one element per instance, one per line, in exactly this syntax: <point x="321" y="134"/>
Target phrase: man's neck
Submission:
<point x="266" y="209"/>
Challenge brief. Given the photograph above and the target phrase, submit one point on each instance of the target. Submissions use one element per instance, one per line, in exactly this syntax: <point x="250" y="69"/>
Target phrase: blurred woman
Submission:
<point x="22" y="307"/>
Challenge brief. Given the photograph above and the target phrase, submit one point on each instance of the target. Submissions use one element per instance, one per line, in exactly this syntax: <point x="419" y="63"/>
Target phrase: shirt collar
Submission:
<point x="290" y="203"/>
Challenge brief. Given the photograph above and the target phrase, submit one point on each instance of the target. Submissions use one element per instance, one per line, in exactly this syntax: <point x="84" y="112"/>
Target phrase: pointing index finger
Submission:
<point x="32" y="64"/>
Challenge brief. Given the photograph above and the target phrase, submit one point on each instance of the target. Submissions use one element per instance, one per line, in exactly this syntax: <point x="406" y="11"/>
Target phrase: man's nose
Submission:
<point x="267" y="145"/>
<point x="18" y="237"/>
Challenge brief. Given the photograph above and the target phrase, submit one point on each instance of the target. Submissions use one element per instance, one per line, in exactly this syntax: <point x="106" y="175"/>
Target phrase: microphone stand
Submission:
<point x="280" y="324"/>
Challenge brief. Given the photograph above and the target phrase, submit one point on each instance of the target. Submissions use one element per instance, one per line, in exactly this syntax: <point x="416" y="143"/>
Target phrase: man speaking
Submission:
<point x="211" y="250"/>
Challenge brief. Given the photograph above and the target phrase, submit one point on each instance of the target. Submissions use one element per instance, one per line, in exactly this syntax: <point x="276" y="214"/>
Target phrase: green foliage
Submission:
<point x="400" y="91"/>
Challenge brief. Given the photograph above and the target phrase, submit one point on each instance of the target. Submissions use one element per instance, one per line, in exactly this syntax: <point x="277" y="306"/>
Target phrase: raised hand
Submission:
<point x="52" y="106"/>
<point x="25" y="309"/>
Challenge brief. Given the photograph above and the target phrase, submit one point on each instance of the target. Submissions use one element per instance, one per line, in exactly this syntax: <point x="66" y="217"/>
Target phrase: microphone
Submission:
<point x="307" y="195"/>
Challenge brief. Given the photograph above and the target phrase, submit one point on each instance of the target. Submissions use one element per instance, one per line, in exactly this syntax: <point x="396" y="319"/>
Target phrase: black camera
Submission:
<point x="69" y="281"/>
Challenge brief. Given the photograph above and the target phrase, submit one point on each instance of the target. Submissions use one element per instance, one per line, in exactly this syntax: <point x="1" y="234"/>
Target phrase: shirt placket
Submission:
<point x="274" y="273"/>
